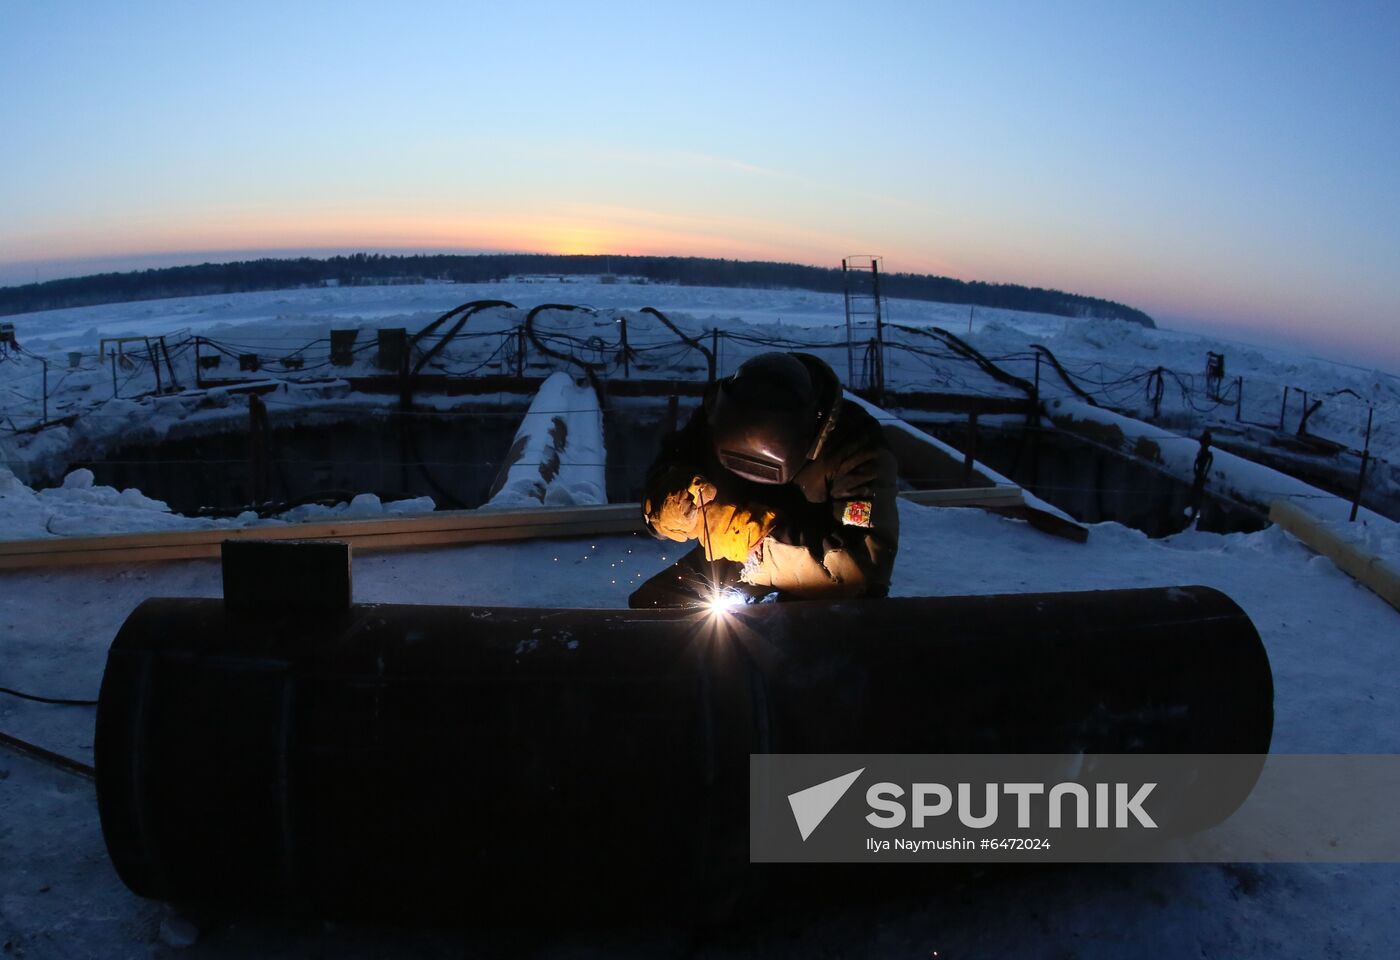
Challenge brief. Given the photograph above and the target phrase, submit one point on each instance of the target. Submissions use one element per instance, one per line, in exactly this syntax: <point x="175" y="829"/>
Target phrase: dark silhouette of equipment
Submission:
<point x="286" y="750"/>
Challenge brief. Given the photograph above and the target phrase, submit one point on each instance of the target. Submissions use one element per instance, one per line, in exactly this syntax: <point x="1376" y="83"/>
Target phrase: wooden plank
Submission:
<point x="1002" y="496"/>
<point x="438" y="529"/>
<point x="1373" y="571"/>
<point x="445" y="528"/>
<point x="926" y="401"/>
<point x="483" y="521"/>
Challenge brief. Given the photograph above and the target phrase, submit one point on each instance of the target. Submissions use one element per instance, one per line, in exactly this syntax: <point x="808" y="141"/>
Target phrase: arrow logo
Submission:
<point x="810" y="806"/>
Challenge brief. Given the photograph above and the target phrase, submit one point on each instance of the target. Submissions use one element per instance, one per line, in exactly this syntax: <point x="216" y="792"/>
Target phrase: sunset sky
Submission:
<point x="1232" y="167"/>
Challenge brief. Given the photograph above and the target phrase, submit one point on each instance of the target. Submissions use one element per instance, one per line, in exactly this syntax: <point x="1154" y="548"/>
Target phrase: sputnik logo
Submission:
<point x="810" y="806"/>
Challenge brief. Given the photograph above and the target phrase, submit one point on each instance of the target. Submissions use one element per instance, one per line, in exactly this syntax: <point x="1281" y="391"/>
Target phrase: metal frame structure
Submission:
<point x="864" y="310"/>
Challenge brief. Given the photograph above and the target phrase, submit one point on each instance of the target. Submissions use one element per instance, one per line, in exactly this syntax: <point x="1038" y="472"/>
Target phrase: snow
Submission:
<point x="79" y="507"/>
<point x="557" y="458"/>
<point x="1332" y="643"/>
<point x="1336" y="666"/>
<point x="1233" y="475"/>
<point x="280" y="324"/>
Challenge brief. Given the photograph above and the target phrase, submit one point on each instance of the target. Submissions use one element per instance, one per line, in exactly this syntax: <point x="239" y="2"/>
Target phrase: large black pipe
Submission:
<point x="447" y="763"/>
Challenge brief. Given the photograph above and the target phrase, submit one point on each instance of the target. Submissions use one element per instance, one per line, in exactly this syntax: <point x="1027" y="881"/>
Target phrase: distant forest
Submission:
<point x="376" y="268"/>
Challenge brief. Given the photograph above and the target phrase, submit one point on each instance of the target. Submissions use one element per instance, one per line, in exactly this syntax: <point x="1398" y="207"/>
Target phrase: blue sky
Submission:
<point x="1223" y="166"/>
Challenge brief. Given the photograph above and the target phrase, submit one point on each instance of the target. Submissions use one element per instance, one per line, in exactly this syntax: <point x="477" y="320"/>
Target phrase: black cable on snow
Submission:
<point x="466" y="310"/>
<point x="1064" y="375"/>
<point x="969" y="352"/>
<point x="589" y="367"/>
<point x="36" y="752"/>
<point x="689" y="341"/>
<point x="54" y="700"/>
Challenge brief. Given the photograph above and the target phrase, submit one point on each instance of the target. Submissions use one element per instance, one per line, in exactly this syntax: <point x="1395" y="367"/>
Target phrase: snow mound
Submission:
<point x="81" y="507"/>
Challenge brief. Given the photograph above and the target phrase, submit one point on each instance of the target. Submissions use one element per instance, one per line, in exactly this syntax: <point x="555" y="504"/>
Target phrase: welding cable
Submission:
<point x="58" y="701"/>
<point x="589" y="367"/>
<point x="36" y="752"/>
<point x="467" y="309"/>
<point x="689" y="341"/>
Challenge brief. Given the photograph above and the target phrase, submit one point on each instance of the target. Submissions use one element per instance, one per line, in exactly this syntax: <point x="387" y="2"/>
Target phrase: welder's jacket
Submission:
<point x="830" y="532"/>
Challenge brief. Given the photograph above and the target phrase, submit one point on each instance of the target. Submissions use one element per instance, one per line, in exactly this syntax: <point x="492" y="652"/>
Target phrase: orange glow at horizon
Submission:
<point x="582" y="231"/>
<point x="588" y="229"/>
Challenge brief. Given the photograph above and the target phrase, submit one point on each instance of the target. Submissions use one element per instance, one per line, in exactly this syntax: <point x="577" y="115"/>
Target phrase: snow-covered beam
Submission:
<point x="1341" y="543"/>
<point x="1231" y="475"/>
<point x="557" y="458"/>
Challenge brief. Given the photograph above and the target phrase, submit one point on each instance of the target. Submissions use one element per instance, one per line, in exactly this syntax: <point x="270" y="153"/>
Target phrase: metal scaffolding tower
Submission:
<point x="865" y="328"/>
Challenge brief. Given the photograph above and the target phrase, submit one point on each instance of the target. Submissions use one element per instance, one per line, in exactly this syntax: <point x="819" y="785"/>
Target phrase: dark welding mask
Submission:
<point x="764" y="419"/>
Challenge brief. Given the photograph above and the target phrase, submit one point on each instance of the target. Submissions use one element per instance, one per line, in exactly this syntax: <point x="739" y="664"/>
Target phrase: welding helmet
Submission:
<point x="764" y="419"/>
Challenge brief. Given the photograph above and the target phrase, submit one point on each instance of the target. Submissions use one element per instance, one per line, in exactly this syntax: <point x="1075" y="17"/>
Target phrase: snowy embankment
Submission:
<point x="1113" y="360"/>
<point x="1233" y="476"/>
<point x="82" y="508"/>
<point x="284" y="325"/>
<point x="557" y="458"/>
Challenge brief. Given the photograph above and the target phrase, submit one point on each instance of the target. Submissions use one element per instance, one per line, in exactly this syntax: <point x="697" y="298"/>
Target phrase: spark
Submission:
<point x="723" y="600"/>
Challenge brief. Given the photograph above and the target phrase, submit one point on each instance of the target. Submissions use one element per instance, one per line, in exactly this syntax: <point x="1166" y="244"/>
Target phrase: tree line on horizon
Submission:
<point x="365" y="268"/>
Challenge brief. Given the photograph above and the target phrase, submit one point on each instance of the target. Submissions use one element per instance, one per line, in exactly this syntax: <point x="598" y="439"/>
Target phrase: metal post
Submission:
<point x="1303" y="417"/>
<point x="114" y="373"/>
<point x="971" y="454"/>
<point x="626" y="363"/>
<point x="1239" y="397"/>
<point x="673" y="413"/>
<point x="198" y="369"/>
<point x="714" y="349"/>
<point x="1283" y="409"/>
<point x="155" y="364"/>
<point x="258" y="473"/>
<point x="520" y="353"/>
<point x="879" y="372"/>
<point x="850" y="350"/>
<point x="1033" y="414"/>
<point x="170" y="367"/>
<point x="46" y="388"/>
<point x="1361" y="474"/>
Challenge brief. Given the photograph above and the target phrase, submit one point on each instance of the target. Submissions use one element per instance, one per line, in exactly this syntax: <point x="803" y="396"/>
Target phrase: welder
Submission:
<point x="789" y="488"/>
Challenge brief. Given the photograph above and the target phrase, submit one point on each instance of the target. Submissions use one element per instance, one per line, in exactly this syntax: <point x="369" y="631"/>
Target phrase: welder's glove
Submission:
<point x="675" y="517"/>
<point x="701" y="490"/>
<point x="732" y="532"/>
<point x="793" y="571"/>
<point x="677" y="514"/>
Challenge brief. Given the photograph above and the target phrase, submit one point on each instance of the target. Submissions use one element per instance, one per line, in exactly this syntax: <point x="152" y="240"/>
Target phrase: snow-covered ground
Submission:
<point x="1336" y="663"/>
<point x="1112" y="359"/>
<point x="1335" y="647"/>
<point x="102" y="405"/>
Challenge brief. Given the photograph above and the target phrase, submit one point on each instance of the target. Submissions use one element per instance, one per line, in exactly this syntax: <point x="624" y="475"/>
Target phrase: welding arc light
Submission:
<point x="723" y="600"/>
